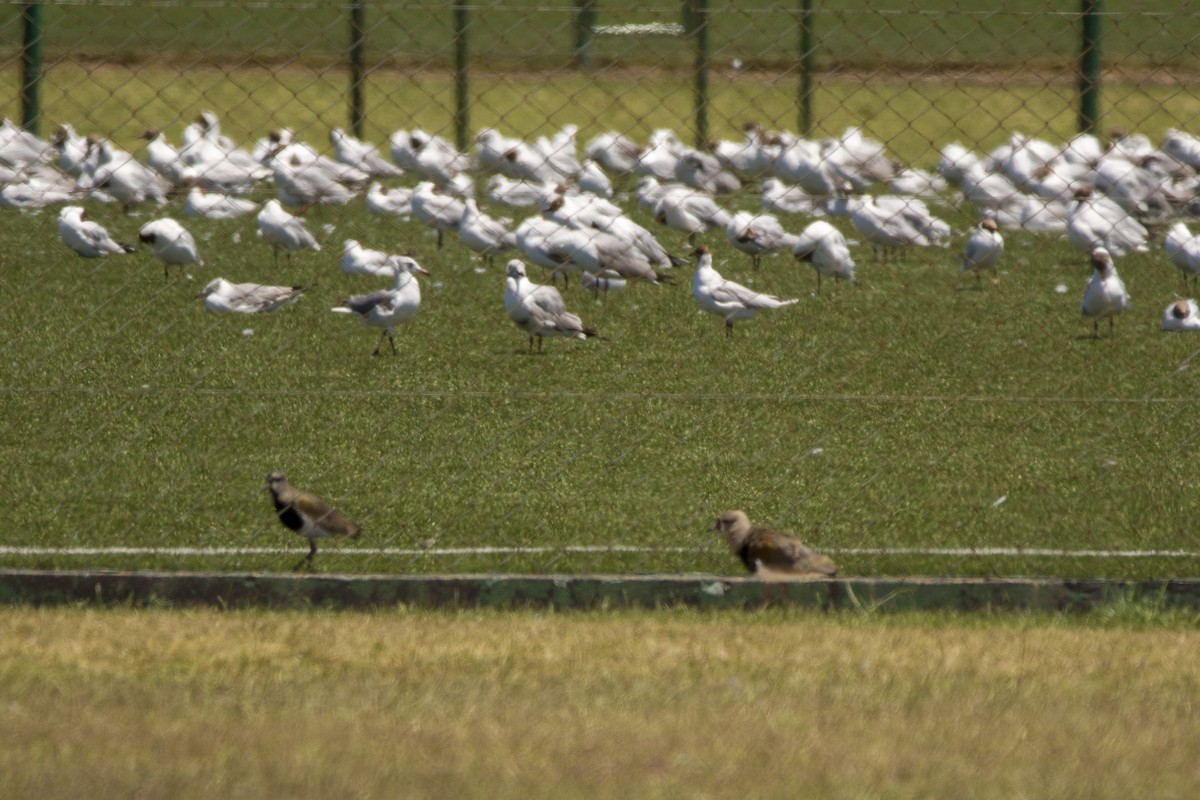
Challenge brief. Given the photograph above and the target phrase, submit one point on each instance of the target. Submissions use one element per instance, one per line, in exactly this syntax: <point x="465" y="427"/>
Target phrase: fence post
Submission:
<point x="358" y="38"/>
<point x="31" y="66"/>
<point x="806" y="66"/>
<point x="1089" y="67"/>
<point x="462" y="107"/>
<point x="695" y="23"/>
<point x="585" y="32"/>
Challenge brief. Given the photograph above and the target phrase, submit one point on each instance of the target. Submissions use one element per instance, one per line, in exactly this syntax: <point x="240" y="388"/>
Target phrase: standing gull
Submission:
<point x="170" y="242"/>
<point x="1183" y="249"/>
<point x="728" y="300"/>
<point x="1105" y="296"/>
<point x="284" y="231"/>
<point x="483" y="234"/>
<point x="984" y="249"/>
<point x="824" y="247"/>
<point x="389" y="307"/>
<point x="436" y="210"/>
<point x="758" y="235"/>
<point x="539" y="310"/>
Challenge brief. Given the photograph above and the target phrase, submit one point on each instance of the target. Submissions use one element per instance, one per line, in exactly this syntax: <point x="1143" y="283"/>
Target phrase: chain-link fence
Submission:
<point x="926" y="418"/>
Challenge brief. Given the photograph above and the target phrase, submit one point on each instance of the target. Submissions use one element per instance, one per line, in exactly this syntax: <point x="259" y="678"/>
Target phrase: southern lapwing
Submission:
<point x="307" y="515"/>
<point x="771" y="554"/>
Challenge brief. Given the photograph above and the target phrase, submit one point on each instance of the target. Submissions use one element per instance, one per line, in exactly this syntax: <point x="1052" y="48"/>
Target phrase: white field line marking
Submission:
<point x="995" y="552"/>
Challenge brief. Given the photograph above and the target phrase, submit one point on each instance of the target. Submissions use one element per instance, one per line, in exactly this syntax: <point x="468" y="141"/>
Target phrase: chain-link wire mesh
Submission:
<point x="924" y="419"/>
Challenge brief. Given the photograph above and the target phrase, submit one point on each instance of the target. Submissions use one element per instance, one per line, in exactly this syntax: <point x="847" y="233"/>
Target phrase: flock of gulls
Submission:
<point x="1103" y="196"/>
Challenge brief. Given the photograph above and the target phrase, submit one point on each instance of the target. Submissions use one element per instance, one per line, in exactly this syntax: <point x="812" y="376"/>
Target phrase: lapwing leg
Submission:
<point x="307" y="561"/>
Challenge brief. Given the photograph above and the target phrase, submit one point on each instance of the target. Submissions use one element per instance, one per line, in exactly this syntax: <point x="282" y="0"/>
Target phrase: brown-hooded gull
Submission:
<point x="284" y="231"/>
<point x="170" y="242"/>
<point x="388" y="308"/>
<point x="728" y="300"/>
<point x="824" y="247"/>
<point x="537" y="309"/>
<point x="88" y="239"/>
<point x="1105" y="295"/>
<point x="984" y="249"/>
<point x="222" y="297"/>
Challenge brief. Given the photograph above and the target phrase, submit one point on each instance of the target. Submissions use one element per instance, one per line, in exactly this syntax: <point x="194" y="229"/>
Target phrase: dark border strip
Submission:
<point x="573" y="592"/>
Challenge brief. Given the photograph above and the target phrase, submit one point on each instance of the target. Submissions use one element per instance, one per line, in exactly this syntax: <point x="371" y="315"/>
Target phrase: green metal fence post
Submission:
<point x="585" y="32"/>
<point x="358" y="38"/>
<point x="806" y="66"/>
<point x="695" y="23"/>
<point x="462" y="108"/>
<point x="1089" y="67"/>
<point x="31" y="67"/>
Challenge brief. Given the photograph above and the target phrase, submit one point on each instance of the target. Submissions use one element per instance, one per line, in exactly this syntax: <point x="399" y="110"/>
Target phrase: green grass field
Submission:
<point x="191" y="704"/>
<point x="537" y="33"/>
<point x="894" y="414"/>
<point x="910" y="413"/>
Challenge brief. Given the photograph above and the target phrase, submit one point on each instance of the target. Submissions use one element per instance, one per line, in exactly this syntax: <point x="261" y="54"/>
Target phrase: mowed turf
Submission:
<point x="536" y="33"/>
<point x="915" y="410"/>
<point x="187" y="704"/>
<point x="912" y="413"/>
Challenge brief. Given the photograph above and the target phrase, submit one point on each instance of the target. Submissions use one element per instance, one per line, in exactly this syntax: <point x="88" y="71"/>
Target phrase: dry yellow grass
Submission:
<point x="206" y="704"/>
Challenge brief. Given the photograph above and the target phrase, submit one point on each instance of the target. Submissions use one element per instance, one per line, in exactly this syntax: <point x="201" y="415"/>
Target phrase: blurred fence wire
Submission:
<point x="925" y="420"/>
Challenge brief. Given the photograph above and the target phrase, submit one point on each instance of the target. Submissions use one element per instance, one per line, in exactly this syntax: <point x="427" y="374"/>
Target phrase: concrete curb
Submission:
<point x="574" y="592"/>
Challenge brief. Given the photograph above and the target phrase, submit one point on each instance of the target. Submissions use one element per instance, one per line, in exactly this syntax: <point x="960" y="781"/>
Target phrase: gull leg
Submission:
<point x="391" y="341"/>
<point x="439" y="230"/>
<point x="728" y="328"/>
<point x="379" y="344"/>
